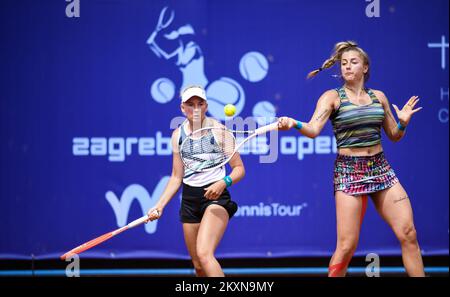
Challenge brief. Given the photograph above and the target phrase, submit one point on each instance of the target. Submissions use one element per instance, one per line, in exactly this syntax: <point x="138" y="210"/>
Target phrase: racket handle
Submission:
<point x="137" y="222"/>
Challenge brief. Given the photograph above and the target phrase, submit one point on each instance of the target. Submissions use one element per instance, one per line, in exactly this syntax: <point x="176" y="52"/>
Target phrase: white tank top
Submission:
<point x="199" y="179"/>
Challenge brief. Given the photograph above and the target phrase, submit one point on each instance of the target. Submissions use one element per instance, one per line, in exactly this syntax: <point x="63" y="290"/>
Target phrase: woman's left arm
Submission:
<point x="396" y="130"/>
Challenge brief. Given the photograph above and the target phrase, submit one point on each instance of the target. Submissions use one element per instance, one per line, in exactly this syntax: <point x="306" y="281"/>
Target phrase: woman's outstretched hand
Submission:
<point x="404" y="115"/>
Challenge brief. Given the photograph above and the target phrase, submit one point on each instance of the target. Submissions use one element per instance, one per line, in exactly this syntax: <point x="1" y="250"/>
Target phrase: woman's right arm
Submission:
<point x="174" y="182"/>
<point x="324" y="108"/>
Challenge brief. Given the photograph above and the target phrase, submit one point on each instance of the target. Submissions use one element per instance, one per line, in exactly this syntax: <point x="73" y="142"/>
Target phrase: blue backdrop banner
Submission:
<point x="89" y="89"/>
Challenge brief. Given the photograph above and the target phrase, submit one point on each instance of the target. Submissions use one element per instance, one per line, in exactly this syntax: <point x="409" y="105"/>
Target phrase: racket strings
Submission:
<point x="207" y="149"/>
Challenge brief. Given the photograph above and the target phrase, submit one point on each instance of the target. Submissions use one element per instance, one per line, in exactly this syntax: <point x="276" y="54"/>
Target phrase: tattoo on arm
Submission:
<point x="401" y="199"/>
<point x="321" y="115"/>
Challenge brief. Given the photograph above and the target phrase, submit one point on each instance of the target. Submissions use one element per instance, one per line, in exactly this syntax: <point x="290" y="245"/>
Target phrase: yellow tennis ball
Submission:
<point x="229" y="110"/>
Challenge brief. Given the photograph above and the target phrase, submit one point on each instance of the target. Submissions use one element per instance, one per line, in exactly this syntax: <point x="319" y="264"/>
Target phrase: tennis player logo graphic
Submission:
<point x="189" y="59"/>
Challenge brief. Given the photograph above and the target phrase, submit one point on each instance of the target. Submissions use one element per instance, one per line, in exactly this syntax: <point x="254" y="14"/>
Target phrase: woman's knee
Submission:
<point x="407" y="234"/>
<point x="204" y="254"/>
<point x="347" y="246"/>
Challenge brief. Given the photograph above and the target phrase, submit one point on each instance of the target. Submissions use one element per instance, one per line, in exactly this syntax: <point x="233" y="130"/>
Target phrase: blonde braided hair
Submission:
<point x="339" y="49"/>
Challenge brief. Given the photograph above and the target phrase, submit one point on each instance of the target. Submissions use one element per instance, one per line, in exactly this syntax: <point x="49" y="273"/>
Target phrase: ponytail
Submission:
<point x="339" y="49"/>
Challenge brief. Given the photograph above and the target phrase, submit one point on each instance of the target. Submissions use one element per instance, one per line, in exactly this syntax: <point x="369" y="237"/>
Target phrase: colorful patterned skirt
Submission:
<point x="363" y="175"/>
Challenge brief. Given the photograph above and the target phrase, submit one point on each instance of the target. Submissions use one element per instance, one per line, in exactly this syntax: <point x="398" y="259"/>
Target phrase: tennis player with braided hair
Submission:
<point x="206" y="205"/>
<point x="357" y="114"/>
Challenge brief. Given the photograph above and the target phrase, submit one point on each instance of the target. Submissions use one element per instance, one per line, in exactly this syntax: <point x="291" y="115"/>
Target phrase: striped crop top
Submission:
<point x="357" y="125"/>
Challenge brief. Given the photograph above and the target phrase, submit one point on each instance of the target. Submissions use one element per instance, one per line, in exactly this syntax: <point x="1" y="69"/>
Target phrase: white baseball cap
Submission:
<point x="193" y="91"/>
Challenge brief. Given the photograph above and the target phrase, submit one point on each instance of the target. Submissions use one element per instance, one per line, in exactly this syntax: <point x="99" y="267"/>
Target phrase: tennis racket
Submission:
<point x="208" y="148"/>
<point x="96" y="241"/>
